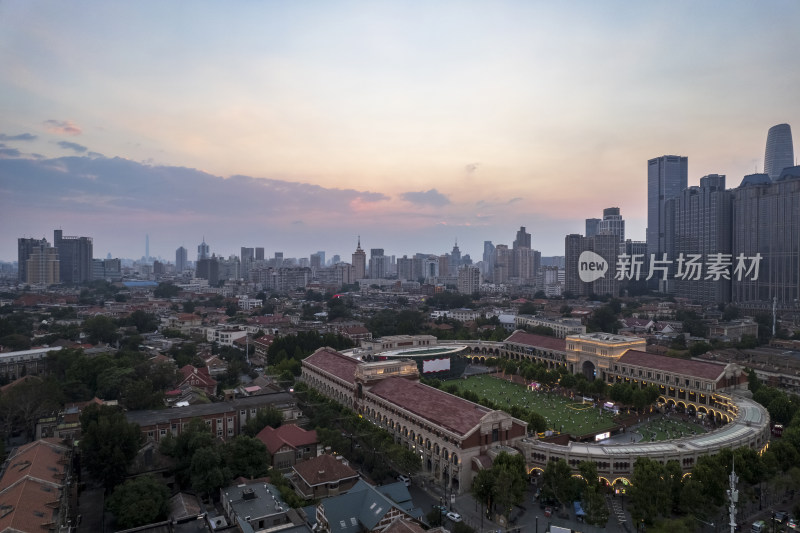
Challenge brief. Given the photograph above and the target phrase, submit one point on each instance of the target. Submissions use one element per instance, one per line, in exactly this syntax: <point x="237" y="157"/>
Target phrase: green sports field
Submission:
<point x="663" y="428"/>
<point x="562" y="414"/>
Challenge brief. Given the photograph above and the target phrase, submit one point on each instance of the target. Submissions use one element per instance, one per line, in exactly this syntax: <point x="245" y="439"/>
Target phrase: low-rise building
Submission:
<point x="322" y="477"/>
<point x="288" y="445"/>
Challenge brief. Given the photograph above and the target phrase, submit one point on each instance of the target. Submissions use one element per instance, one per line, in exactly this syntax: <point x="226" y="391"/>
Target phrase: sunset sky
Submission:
<point x="299" y="125"/>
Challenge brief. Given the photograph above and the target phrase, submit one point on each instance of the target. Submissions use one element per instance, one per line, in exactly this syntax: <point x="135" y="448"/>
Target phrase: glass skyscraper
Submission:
<point x="780" y="151"/>
<point x="667" y="176"/>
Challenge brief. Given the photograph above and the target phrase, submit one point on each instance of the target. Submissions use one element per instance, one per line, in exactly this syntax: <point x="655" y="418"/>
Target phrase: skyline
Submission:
<point x="299" y="127"/>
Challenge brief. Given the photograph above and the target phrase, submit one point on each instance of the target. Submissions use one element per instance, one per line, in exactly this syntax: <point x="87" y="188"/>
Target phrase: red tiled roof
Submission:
<point x="333" y="362"/>
<point x="539" y="341"/>
<point x="440" y="408"/>
<point x="698" y="369"/>
<point x="352" y="330"/>
<point x="323" y="469"/>
<point x="290" y="434"/>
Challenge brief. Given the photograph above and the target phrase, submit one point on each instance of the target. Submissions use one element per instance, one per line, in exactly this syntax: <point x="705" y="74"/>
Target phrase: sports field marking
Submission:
<point x="580" y="406"/>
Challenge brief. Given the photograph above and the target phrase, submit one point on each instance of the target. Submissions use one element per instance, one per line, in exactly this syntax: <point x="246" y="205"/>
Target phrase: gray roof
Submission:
<point x="164" y="416"/>
<point x="255" y="500"/>
<point x="362" y="507"/>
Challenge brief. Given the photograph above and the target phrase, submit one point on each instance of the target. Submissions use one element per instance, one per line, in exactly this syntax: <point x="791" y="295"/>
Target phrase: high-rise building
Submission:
<point x="360" y="261"/>
<point x="321" y="255"/>
<point x="488" y="258"/>
<point x="607" y="247"/>
<point x="469" y="280"/>
<point x="455" y="257"/>
<point x="667" y="176"/>
<point x="181" y="259"/>
<point x="75" y="257"/>
<point x="208" y="268"/>
<point x="779" y="153"/>
<point x="259" y="253"/>
<point x="612" y="224"/>
<point x="592" y="226"/>
<point x="42" y="265"/>
<point x="523" y="239"/>
<point x="405" y="269"/>
<point x="247" y="256"/>
<point x="765" y="221"/>
<point x="698" y="224"/>
<point x="316" y="261"/>
<point x="378" y="263"/>
<point x="502" y="264"/>
<point x="25" y="248"/>
<point x="203" y="250"/>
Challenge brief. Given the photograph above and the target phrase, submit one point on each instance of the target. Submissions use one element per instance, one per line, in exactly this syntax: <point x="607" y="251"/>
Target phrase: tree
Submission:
<point x="649" y="493"/>
<point x="166" y="290"/>
<point x="100" y="328"/>
<point x="108" y="444"/>
<point x="510" y="480"/>
<point x="556" y="481"/>
<point x="536" y="422"/>
<point x="139" y="501"/>
<point x="246" y="456"/>
<point x="483" y="488"/>
<point x="269" y="416"/>
<point x="143" y="321"/>
<point x="208" y="471"/>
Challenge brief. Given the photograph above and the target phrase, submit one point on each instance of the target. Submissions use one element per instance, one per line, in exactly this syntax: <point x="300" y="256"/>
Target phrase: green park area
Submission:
<point x="562" y="414"/>
<point x="665" y="428"/>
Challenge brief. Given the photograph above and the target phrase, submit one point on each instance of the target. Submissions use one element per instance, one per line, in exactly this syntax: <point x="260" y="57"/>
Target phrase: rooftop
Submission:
<point x="440" y="408"/>
<point x="698" y="369"/>
<point x="539" y="341"/>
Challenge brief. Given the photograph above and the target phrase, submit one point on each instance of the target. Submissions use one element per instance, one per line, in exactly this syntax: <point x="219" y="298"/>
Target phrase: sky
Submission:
<point x="300" y="126"/>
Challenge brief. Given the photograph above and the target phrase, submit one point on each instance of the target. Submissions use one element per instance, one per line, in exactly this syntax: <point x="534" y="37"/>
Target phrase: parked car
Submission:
<point x="548" y="511"/>
<point x="794" y="523"/>
<point x="454" y="516"/>
<point x="405" y="479"/>
<point x="781" y="516"/>
<point x="441" y="508"/>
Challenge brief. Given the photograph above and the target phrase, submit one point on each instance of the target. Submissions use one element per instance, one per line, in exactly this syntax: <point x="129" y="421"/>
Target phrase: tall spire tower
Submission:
<point x="360" y="261"/>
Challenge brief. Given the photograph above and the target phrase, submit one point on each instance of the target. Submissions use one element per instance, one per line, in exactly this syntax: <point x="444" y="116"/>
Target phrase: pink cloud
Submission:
<point x="62" y="127"/>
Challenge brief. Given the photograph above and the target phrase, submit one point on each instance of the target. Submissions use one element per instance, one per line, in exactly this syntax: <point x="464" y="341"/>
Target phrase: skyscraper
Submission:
<point x="360" y="261"/>
<point x="181" y="258"/>
<point x="780" y="151"/>
<point x="612" y="224"/>
<point x="592" y="226"/>
<point x="75" y="257"/>
<point x="203" y="250"/>
<point x="25" y="248"/>
<point x="667" y="176"/>
<point x="699" y="222"/>
<point x="42" y="265"/>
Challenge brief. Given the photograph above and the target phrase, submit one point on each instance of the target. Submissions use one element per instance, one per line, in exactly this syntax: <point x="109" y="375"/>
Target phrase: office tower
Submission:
<point x="502" y="264"/>
<point x="523" y="239"/>
<point x="779" y="153"/>
<point x="75" y="257"/>
<point x="667" y="176"/>
<point x="25" y="248"/>
<point x="181" y="259"/>
<point x="278" y="259"/>
<point x="377" y="263"/>
<point x="247" y="256"/>
<point x="765" y="221"/>
<point x="336" y="259"/>
<point x="698" y="222"/>
<point x="612" y="224"/>
<point x="107" y="269"/>
<point x="607" y="247"/>
<point x="208" y="268"/>
<point x="203" y="250"/>
<point x="469" y="280"/>
<point x="444" y="266"/>
<point x="488" y="258"/>
<point x="360" y="261"/>
<point x="259" y="253"/>
<point x="405" y="268"/>
<point x="430" y="267"/>
<point x="316" y="261"/>
<point x="455" y="257"/>
<point x="42" y="265"/>
<point x="592" y="226"/>
<point x="321" y="255"/>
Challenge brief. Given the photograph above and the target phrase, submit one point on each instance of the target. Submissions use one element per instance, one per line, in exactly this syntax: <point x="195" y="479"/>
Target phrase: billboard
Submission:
<point x="435" y="365"/>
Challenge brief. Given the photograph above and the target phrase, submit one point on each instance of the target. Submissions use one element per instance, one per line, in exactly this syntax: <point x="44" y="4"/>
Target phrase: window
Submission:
<point x="495" y="435"/>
